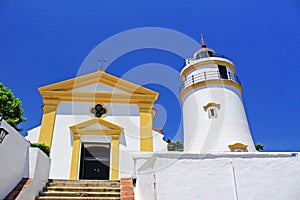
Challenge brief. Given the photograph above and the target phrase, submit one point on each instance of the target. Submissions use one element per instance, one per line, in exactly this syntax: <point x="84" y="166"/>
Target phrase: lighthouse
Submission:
<point x="214" y="118"/>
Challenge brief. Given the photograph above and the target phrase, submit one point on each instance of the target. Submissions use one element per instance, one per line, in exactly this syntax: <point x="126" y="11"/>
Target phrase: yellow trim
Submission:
<point x="212" y="104"/>
<point x="238" y="146"/>
<point x="75" y="158"/>
<point x="99" y="97"/>
<point x="136" y="95"/>
<point x="115" y="159"/>
<point x="81" y="132"/>
<point x="207" y="83"/>
<point x="205" y="63"/>
<point x="146" y="120"/>
<point x="154" y="112"/>
<point x="82" y="129"/>
<point x="96" y="77"/>
<point x="48" y="121"/>
<point x="90" y="122"/>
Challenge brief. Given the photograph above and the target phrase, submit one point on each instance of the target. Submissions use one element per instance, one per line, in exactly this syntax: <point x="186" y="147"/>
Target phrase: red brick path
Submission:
<point x="127" y="189"/>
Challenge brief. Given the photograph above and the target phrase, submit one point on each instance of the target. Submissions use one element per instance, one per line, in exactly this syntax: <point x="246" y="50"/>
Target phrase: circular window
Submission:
<point x="98" y="110"/>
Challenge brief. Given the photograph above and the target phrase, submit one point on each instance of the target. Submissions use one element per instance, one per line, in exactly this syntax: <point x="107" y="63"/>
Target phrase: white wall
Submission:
<point x="230" y="176"/>
<point x="13" y="158"/>
<point x="39" y="166"/>
<point x="61" y="149"/>
<point x="202" y="134"/>
<point x="99" y="87"/>
<point x="33" y="134"/>
<point x="196" y="61"/>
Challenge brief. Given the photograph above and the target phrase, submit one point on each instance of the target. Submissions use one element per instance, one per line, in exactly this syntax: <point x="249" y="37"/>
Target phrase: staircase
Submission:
<point x="81" y="189"/>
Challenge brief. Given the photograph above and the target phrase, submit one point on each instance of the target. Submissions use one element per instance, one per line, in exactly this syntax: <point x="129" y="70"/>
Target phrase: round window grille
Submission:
<point x="98" y="111"/>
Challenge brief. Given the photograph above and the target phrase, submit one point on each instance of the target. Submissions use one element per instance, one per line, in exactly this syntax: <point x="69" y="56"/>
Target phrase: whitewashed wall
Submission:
<point x="227" y="176"/>
<point x="196" y="61"/>
<point x="123" y="115"/>
<point x="33" y="134"/>
<point x="39" y="166"/>
<point x="202" y="134"/>
<point x="13" y="159"/>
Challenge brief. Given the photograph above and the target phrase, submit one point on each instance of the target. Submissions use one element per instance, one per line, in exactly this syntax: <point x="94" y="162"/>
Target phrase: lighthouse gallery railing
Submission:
<point x="212" y="75"/>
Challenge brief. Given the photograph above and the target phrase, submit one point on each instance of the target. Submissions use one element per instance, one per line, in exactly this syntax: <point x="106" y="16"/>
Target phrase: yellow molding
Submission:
<point x="82" y="129"/>
<point x="154" y="112"/>
<point x="75" y="158"/>
<point x="98" y="77"/>
<point x="212" y="104"/>
<point x="115" y="161"/>
<point x="48" y="122"/>
<point x="204" y="64"/>
<point x="90" y="122"/>
<point x="238" y="146"/>
<point x="206" y="83"/>
<point x="98" y="97"/>
<point x="115" y="133"/>
<point x="146" y="121"/>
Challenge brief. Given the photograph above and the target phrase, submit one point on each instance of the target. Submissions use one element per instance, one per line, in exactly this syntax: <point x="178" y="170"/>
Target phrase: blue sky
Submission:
<point x="43" y="42"/>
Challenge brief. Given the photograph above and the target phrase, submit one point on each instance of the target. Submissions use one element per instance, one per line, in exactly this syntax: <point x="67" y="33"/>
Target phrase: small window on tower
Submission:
<point x="212" y="110"/>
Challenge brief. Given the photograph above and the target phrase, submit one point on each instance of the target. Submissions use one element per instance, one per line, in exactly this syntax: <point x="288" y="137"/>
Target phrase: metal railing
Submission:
<point x="212" y="75"/>
<point x="189" y="60"/>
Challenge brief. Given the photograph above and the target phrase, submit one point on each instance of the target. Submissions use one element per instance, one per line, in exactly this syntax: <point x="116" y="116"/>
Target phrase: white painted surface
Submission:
<point x="196" y="61"/>
<point x="227" y="176"/>
<point x="39" y="166"/>
<point x="84" y="108"/>
<point x="33" y="134"/>
<point x="13" y="159"/>
<point x="61" y="148"/>
<point x="62" y="142"/>
<point x="131" y="161"/>
<point x="203" y="134"/>
<point x="208" y="72"/>
<point x="99" y="87"/>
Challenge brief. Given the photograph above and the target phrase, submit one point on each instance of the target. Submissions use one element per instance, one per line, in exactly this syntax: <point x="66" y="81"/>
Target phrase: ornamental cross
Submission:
<point x="102" y="61"/>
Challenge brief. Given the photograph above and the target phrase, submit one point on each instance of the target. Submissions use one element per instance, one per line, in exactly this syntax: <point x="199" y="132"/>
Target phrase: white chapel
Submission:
<point x="94" y="124"/>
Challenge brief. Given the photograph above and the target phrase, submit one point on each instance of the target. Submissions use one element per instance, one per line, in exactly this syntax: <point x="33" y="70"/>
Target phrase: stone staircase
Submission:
<point x="81" y="189"/>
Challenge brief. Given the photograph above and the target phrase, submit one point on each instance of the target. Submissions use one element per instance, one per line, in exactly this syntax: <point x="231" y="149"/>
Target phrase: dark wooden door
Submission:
<point x="95" y="161"/>
<point x="223" y="72"/>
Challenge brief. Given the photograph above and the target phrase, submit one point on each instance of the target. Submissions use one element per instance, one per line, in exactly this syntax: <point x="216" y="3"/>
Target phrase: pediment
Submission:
<point x="99" y="81"/>
<point x="95" y="124"/>
<point x="96" y="127"/>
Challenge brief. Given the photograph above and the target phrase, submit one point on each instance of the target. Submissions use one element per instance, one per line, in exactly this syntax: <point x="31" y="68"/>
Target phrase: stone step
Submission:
<point x="83" y="183"/>
<point x="77" y="198"/>
<point x="80" y="194"/>
<point x="81" y="189"/>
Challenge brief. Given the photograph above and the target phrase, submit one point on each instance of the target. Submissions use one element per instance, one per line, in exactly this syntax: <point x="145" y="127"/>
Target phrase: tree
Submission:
<point x="11" y="107"/>
<point x="259" y="147"/>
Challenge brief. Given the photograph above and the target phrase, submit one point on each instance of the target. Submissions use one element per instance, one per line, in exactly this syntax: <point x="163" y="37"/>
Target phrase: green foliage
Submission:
<point x="174" y="146"/>
<point x="259" y="147"/>
<point x="43" y="147"/>
<point x="10" y="107"/>
<point x="168" y="140"/>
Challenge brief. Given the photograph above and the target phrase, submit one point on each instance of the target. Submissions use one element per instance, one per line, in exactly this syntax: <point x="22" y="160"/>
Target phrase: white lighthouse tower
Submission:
<point x="214" y="118"/>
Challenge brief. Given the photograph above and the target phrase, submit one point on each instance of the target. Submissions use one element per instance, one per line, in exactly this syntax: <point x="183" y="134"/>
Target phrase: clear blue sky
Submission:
<point x="43" y="42"/>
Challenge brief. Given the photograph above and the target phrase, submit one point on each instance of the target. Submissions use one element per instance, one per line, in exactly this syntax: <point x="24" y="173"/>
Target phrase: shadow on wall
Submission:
<point x="19" y="161"/>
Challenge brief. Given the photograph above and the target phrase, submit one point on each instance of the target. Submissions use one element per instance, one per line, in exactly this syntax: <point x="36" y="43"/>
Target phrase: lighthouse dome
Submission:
<point x="204" y="52"/>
